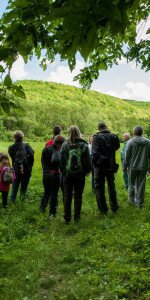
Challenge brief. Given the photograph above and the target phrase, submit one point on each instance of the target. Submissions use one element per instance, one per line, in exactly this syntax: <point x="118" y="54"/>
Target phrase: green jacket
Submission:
<point x="122" y="153"/>
<point x="137" y="154"/>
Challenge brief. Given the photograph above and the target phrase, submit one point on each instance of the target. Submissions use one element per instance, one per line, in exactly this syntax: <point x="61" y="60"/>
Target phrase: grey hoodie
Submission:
<point x="137" y="154"/>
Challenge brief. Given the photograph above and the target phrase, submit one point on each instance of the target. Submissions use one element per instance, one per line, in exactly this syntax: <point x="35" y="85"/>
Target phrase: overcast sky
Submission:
<point x="125" y="81"/>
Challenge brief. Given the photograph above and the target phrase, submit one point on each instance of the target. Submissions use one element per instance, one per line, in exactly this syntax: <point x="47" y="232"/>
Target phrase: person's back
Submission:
<point x="47" y="164"/>
<point x="85" y="155"/>
<point x="104" y="147"/>
<point x="50" y="160"/>
<point x="138" y="153"/>
<point x="75" y="164"/>
<point x="22" y="156"/>
<point x="5" y="182"/>
<point x="137" y="161"/>
<point x="17" y="152"/>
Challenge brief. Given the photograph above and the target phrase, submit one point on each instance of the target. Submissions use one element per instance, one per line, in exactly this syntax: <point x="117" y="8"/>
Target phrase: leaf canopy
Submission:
<point x="97" y="29"/>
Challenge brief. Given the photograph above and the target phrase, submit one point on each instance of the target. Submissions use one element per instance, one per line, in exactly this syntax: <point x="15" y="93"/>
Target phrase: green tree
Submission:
<point x="100" y="30"/>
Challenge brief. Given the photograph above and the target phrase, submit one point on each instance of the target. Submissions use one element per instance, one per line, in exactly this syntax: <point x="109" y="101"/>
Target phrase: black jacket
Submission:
<point x="86" y="158"/>
<point x="104" y="147"/>
<point x="50" y="159"/>
<point x="12" y="150"/>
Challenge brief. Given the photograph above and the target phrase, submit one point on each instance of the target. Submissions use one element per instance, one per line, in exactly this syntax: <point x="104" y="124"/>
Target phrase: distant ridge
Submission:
<point x="51" y="103"/>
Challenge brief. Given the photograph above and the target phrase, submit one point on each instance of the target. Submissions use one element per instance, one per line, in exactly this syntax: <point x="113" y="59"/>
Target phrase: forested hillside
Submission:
<point x="48" y="104"/>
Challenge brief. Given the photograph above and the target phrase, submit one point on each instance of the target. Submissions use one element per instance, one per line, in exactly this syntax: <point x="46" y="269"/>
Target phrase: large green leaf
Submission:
<point x="8" y="81"/>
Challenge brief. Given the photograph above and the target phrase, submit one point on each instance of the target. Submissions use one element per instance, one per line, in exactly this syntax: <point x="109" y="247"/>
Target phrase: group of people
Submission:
<point x="66" y="163"/>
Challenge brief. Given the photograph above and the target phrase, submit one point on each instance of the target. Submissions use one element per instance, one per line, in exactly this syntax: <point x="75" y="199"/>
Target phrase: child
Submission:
<point x="4" y="186"/>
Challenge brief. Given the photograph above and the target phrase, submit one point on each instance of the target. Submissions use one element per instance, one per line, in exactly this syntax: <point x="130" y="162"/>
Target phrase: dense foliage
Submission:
<point x="102" y="258"/>
<point x="48" y="104"/>
<point x="101" y="31"/>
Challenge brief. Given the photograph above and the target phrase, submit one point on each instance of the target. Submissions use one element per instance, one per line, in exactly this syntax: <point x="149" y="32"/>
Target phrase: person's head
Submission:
<point x="126" y="136"/>
<point x="56" y="130"/>
<point x="102" y="126"/>
<point x="138" y="130"/>
<point x="18" y="135"/>
<point x="4" y="159"/>
<point x="90" y="139"/>
<point x="58" y="141"/>
<point x="73" y="134"/>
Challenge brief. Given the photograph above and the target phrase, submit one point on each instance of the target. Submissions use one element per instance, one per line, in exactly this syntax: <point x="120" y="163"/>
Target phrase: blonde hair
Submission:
<point x="73" y="133"/>
<point x="4" y="159"/>
<point x="18" y="135"/>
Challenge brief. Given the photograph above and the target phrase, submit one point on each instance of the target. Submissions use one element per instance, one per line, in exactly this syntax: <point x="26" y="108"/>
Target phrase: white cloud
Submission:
<point x="134" y="90"/>
<point x="18" y="70"/>
<point x="62" y="74"/>
<point x="122" y="61"/>
<point x="142" y="29"/>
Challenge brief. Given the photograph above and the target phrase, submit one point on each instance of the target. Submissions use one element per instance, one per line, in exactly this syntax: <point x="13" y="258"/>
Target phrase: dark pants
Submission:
<point x="4" y="198"/>
<point x="51" y="184"/>
<point x="73" y="185"/>
<point x="93" y="181"/>
<point x="23" y="183"/>
<point x="100" y="178"/>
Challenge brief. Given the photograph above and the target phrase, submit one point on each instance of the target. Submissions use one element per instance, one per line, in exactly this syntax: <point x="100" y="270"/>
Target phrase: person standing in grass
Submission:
<point x="56" y="131"/>
<point x="75" y="165"/>
<point x="126" y="137"/>
<point x="50" y="160"/>
<point x="5" y="179"/>
<point x="104" y="147"/>
<point x="137" y="162"/>
<point x="22" y="156"/>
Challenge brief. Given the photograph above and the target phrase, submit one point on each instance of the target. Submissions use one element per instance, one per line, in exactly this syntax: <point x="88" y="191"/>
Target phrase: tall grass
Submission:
<point x="102" y="258"/>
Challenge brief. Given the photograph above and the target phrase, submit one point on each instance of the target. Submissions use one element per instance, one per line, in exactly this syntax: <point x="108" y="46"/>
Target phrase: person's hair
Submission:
<point x="102" y="125"/>
<point x="4" y="159"/>
<point x="57" y="130"/>
<point x="126" y="136"/>
<point x="59" y="140"/>
<point x="73" y="133"/>
<point x="138" y="130"/>
<point x="18" y="135"/>
<point x="90" y="138"/>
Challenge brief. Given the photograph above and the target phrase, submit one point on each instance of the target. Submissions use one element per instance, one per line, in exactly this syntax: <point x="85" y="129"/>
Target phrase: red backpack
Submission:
<point x="8" y="175"/>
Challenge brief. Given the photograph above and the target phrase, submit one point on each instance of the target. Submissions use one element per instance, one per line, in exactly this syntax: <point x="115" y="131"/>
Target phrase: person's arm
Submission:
<point x="10" y="152"/>
<point x="87" y="160"/>
<point x="30" y="153"/>
<point x="127" y="156"/>
<point x="63" y="157"/>
<point x="42" y="159"/>
<point x="96" y="149"/>
<point x="117" y="142"/>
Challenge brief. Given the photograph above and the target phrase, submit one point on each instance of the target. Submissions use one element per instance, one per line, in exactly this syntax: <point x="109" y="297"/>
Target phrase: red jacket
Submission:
<point x="4" y="187"/>
<point x="49" y="143"/>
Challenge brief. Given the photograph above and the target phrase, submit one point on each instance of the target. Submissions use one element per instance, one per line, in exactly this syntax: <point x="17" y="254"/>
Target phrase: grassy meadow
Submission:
<point x="101" y="258"/>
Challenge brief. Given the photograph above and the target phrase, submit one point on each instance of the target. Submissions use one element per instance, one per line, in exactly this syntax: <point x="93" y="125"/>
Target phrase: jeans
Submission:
<point x="100" y="190"/>
<point x="51" y="184"/>
<point x="73" y="185"/>
<point x="23" y="183"/>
